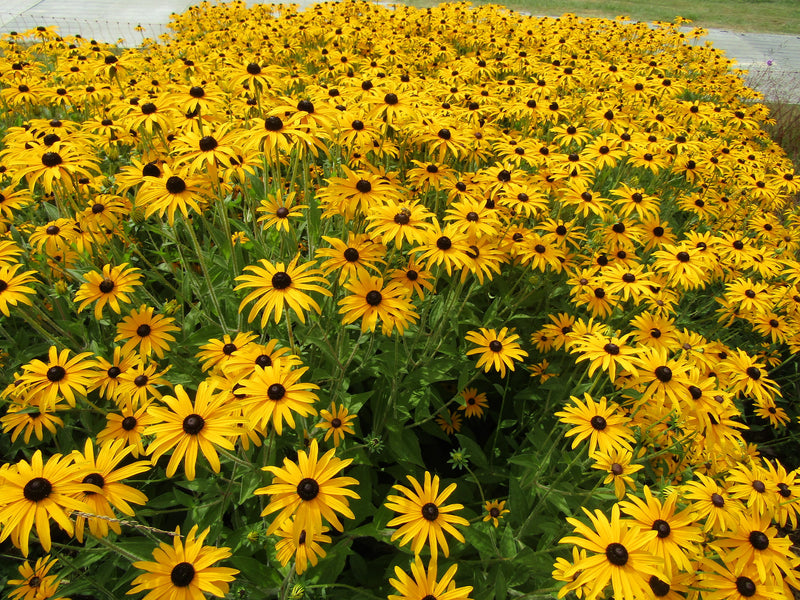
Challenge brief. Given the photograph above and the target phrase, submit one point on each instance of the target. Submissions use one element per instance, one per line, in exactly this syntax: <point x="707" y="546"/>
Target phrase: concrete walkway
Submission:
<point x="772" y="60"/>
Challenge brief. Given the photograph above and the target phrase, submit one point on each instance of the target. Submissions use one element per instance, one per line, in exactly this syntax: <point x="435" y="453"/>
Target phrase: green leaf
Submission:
<point x="475" y="452"/>
<point x="403" y="444"/>
<point x="499" y="584"/>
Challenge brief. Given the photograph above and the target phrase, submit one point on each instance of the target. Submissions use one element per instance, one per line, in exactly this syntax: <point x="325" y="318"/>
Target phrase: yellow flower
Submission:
<point x="337" y="423"/>
<point x="497" y="350"/>
<point x="495" y="511"/>
<point x="186" y="426"/>
<point x="309" y="491"/>
<point x="424" y="515"/>
<point x="423" y="583"/>
<point x="183" y="571"/>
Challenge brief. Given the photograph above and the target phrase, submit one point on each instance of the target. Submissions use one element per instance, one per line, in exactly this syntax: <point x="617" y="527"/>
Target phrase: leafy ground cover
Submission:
<point x="431" y="304"/>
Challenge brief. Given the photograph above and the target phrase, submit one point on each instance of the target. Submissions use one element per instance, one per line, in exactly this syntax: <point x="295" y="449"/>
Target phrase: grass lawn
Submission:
<point x="773" y="16"/>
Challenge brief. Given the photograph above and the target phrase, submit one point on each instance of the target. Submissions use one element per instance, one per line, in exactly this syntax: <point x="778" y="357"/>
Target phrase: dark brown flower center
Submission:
<point x="430" y="511"/>
<point x="175" y="185"/>
<point x="273" y="123"/>
<point x="745" y="586"/>
<point x="129" y="423"/>
<point x="193" y="424"/>
<point x="37" y="489"/>
<point x="495" y="346"/>
<point x="663" y="374"/>
<point x="616" y="554"/>
<point x="94" y="479"/>
<point x="281" y="280"/>
<point x="282" y="212"/>
<point x="140" y="380"/>
<point x="56" y="373"/>
<point x="597" y="422"/>
<point x="106" y="286"/>
<point x="208" y="143"/>
<point x="617" y="469"/>
<point x="759" y="486"/>
<point x="143" y="330"/>
<point x="364" y="186"/>
<point x="759" y="540"/>
<point x="660" y="588"/>
<point x="182" y="574"/>
<point x="308" y="489"/>
<point x="51" y="159"/>
<point x="351" y="255"/>
<point x="276" y="391"/>
<point x="612" y="349"/>
<point x="374" y="298"/>
<point x="662" y="527"/>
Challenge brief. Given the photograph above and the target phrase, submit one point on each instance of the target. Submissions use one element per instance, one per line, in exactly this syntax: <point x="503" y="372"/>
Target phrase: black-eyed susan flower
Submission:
<point x="109" y="287"/>
<point x="748" y="376"/>
<point x="337" y="422"/>
<point x="677" y="538"/>
<point x="14" y="288"/>
<point x="242" y="363"/>
<point x="302" y="546"/>
<point x="276" y="285"/>
<point x="149" y="332"/>
<point x="183" y="570"/>
<point x="309" y="491"/>
<point x="20" y="418"/>
<point x="425" y="517"/>
<point x="36" y="582"/>
<point x="106" y="379"/>
<point x="274" y="393"/>
<point x="276" y="210"/>
<point x="712" y="504"/>
<point x="129" y="425"/>
<point x="618" y="556"/>
<point x="399" y="222"/>
<point x="735" y="581"/>
<point x="474" y="402"/>
<point x="170" y="192"/>
<point x="423" y="583"/>
<point x="414" y="278"/>
<point x="103" y="471"/>
<point x="606" y="353"/>
<point x="216" y="354"/>
<point x="754" y="541"/>
<point x="61" y="375"/>
<point x="370" y="300"/>
<point x="443" y="246"/>
<point x="186" y="426"/>
<point x="449" y="421"/>
<point x="601" y="422"/>
<point x="617" y="464"/>
<point x="497" y="351"/>
<point x="495" y="510"/>
<point x="359" y="252"/>
<point x="35" y="492"/>
<point x="139" y="385"/>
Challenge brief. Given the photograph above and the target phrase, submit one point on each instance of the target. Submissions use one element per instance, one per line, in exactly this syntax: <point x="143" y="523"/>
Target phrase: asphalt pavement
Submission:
<point x="772" y="60"/>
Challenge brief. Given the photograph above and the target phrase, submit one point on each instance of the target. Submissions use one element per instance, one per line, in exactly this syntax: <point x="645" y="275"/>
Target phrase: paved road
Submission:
<point x="772" y="60"/>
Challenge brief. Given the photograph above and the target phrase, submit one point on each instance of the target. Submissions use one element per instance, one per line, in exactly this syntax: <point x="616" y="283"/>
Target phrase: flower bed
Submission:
<point x="428" y="303"/>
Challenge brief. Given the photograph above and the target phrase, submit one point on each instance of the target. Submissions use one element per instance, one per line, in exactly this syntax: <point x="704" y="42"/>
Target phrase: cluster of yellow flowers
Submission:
<point x="264" y="171"/>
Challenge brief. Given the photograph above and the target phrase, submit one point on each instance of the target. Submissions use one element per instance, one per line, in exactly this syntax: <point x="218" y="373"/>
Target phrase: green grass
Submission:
<point x="772" y="16"/>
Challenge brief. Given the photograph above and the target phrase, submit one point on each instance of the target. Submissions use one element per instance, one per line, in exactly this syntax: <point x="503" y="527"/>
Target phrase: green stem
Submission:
<point x="210" y="283"/>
